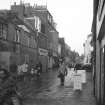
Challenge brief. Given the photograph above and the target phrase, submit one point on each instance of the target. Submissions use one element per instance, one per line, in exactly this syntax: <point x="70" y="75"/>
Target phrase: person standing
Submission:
<point x="24" y="68"/>
<point x="62" y="72"/>
<point x="40" y="65"/>
<point x="38" y="70"/>
<point x="32" y="73"/>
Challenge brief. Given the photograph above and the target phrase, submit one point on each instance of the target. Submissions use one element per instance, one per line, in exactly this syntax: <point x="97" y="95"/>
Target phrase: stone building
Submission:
<point x="17" y="41"/>
<point x="47" y="36"/>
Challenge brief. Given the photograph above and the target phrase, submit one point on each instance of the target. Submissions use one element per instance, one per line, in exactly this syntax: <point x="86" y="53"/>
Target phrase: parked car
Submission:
<point x="78" y="66"/>
<point x="87" y="67"/>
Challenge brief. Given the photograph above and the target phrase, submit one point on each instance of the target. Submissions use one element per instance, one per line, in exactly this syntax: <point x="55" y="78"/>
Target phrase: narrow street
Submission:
<point x="47" y="91"/>
<point x="39" y="35"/>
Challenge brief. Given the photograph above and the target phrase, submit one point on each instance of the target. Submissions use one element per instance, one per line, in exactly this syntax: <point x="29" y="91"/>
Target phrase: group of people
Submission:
<point x="25" y="71"/>
<point x="9" y="78"/>
<point x="36" y="70"/>
<point x="21" y="71"/>
<point x="18" y="72"/>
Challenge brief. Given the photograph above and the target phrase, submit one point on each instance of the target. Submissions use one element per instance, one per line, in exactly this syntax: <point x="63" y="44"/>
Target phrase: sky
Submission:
<point x="73" y="18"/>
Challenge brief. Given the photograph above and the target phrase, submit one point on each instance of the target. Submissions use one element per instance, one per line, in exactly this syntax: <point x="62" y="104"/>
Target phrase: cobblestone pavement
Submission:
<point x="47" y="91"/>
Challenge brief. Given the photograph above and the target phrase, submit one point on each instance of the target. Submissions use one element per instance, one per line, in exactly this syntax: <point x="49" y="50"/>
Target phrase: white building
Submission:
<point x="87" y="49"/>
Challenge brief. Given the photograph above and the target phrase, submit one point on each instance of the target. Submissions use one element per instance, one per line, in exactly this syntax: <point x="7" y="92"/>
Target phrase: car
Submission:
<point x="87" y="67"/>
<point x="78" y="66"/>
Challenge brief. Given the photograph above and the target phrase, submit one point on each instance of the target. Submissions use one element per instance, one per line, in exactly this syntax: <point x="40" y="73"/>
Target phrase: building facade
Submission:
<point x="17" y="41"/>
<point x="98" y="29"/>
<point x="36" y="22"/>
<point x="38" y="17"/>
<point x="87" y="49"/>
<point x="67" y="53"/>
<point x="61" y="48"/>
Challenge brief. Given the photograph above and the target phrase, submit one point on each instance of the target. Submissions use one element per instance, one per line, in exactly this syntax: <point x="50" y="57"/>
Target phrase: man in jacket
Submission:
<point x="62" y="72"/>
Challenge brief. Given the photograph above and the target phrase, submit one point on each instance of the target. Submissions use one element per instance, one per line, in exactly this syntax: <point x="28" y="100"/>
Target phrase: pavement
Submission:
<point x="47" y="91"/>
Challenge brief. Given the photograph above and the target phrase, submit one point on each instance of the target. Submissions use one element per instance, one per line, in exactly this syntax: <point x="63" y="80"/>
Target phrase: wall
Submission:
<point x="100" y="34"/>
<point x="98" y="71"/>
<point x="87" y="50"/>
<point x="23" y="51"/>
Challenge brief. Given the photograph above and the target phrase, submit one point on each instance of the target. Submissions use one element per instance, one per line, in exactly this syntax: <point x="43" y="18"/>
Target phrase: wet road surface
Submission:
<point x="47" y="91"/>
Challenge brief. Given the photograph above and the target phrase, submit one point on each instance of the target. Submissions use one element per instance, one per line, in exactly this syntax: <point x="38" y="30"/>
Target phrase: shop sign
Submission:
<point x="43" y="52"/>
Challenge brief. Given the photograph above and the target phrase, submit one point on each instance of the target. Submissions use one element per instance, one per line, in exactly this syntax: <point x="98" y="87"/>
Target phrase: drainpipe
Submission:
<point x="37" y="46"/>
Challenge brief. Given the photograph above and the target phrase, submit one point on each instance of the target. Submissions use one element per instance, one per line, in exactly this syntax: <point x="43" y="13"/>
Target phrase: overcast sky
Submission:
<point x="73" y="18"/>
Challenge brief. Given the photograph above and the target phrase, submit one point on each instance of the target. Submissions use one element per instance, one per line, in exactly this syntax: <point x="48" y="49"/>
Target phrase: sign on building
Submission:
<point x="43" y="52"/>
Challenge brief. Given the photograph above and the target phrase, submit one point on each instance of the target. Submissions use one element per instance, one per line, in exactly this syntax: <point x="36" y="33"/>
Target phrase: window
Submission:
<point x="42" y="28"/>
<point x="100" y="8"/>
<point x="0" y="30"/>
<point x="17" y="36"/>
<point x="28" y="41"/>
<point x="3" y="31"/>
<point x="49" y="18"/>
<point x="37" y="23"/>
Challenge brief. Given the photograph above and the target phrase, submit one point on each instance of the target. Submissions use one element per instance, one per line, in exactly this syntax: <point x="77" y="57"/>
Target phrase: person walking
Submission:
<point x="38" y="70"/>
<point x="32" y="73"/>
<point x="62" y="72"/>
<point x="24" y="68"/>
<point x="40" y="65"/>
